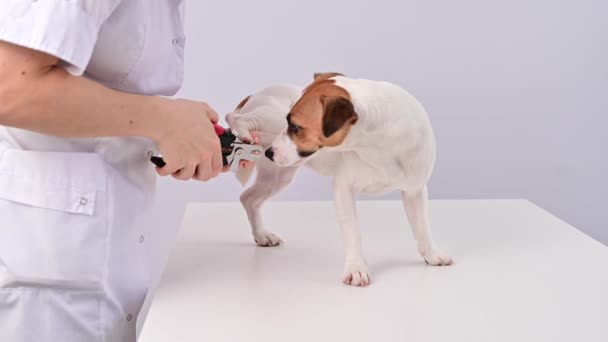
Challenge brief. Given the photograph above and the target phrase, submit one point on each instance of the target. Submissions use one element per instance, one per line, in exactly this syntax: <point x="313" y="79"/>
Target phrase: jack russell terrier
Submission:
<point x="371" y="137"/>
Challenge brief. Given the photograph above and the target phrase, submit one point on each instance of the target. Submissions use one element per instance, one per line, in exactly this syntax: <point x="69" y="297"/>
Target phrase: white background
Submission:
<point x="517" y="91"/>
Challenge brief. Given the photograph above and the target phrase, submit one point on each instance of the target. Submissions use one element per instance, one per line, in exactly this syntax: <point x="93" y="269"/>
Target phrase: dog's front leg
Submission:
<point x="270" y="180"/>
<point x="416" y="203"/>
<point x="355" y="268"/>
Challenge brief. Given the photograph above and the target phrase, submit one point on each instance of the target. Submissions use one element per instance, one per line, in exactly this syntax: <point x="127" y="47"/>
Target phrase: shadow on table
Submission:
<point x="382" y="267"/>
<point x="244" y="261"/>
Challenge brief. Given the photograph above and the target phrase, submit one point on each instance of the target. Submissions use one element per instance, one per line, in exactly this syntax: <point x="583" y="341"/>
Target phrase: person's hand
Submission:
<point x="188" y="142"/>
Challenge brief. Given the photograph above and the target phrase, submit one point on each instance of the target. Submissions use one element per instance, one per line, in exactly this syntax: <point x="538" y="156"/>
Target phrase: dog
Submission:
<point x="372" y="137"/>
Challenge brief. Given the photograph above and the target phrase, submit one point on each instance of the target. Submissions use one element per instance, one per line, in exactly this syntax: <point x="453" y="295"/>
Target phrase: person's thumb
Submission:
<point x="212" y="115"/>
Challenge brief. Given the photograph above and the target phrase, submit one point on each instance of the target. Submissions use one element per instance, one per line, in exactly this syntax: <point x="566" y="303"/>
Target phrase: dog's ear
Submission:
<point x="338" y="111"/>
<point x="243" y="103"/>
<point x="320" y="76"/>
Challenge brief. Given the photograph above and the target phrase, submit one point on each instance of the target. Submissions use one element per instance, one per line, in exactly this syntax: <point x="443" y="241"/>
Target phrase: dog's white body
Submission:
<point x="391" y="147"/>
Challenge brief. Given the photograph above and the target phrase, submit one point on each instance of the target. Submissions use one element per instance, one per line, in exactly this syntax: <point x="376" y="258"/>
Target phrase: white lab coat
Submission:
<point x="71" y="243"/>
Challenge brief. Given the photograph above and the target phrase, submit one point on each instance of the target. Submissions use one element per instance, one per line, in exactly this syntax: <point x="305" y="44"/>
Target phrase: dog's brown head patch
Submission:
<point x="320" y="76"/>
<point x="321" y="117"/>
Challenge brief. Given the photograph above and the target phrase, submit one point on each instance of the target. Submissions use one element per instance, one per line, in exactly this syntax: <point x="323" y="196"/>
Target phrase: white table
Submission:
<point x="520" y="275"/>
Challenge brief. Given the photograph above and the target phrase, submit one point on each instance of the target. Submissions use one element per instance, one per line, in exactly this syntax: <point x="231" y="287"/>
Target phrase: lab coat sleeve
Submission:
<point x="66" y="29"/>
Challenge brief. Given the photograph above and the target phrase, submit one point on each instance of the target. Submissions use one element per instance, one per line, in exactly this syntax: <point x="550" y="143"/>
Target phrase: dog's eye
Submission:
<point x="293" y="128"/>
<point x="305" y="154"/>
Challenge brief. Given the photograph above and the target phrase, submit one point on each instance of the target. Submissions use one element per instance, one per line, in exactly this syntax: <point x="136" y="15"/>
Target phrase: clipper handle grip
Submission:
<point x="158" y="161"/>
<point x="226" y="136"/>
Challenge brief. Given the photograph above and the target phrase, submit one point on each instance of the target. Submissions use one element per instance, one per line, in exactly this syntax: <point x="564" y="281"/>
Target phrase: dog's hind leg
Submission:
<point x="416" y="208"/>
<point x="269" y="181"/>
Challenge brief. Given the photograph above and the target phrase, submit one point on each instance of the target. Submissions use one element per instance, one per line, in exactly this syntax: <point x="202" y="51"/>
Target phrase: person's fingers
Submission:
<point x="185" y="173"/>
<point x="203" y="171"/>
<point x="216" y="164"/>
<point x="212" y="114"/>
<point x="161" y="171"/>
<point x="169" y="168"/>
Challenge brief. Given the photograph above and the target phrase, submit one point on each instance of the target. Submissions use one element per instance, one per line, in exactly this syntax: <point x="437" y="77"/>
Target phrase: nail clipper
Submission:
<point x="233" y="150"/>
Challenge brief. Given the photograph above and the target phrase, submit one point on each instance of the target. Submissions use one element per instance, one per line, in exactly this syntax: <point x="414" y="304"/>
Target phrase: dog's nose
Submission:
<point x="269" y="153"/>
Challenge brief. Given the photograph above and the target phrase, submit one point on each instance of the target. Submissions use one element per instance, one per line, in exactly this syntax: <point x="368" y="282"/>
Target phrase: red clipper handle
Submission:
<point x="219" y="130"/>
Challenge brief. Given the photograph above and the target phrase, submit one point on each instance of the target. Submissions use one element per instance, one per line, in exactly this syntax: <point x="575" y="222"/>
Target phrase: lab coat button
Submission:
<point x="141" y="238"/>
<point x="83" y="201"/>
<point x="129" y="317"/>
<point x="174" y="41"/>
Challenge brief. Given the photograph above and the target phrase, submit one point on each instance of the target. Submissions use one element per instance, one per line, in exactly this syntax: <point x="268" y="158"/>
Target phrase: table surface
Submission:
<point x="521" y="274"/>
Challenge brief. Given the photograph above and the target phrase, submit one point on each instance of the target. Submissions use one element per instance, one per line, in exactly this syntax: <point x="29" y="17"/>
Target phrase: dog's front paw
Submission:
<point x="436" y="257"/>
<point x="267" y="239"/>
<point x="356" y="273"/>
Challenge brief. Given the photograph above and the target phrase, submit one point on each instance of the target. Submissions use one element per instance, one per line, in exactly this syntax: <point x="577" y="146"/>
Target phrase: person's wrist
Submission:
<point x="156" y="120"/>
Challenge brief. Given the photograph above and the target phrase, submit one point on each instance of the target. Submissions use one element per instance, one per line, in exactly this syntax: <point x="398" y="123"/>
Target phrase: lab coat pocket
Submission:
<point x="55" y="220"/>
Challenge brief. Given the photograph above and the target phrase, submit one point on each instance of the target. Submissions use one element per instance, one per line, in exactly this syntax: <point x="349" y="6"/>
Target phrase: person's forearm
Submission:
<point x="37" y="95"/>
<point x="60" y="104"/>
<point x="54" y="102"/>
